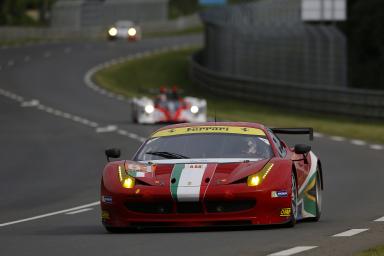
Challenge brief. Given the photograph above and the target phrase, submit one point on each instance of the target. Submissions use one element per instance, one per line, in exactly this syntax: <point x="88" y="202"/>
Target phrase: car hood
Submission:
<point x="200" y="172"/>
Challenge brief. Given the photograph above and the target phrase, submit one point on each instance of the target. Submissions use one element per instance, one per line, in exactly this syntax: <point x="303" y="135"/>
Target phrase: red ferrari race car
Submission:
<point x="211" y="174"/>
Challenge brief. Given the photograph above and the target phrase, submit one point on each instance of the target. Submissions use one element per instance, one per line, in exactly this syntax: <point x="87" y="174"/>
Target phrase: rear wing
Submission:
<point x="294" y="131"/>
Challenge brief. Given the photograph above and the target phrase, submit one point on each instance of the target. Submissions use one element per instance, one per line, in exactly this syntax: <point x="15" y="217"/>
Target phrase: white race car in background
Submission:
<point x="124" y="29"/>
<point x="176" y="110"/>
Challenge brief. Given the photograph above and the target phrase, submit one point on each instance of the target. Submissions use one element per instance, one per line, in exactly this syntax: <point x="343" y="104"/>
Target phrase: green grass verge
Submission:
<point x="187" y="31"/>
<point x="135" y="77"/>
<point x="378" y="251"/>
<point x="20" y="41"/>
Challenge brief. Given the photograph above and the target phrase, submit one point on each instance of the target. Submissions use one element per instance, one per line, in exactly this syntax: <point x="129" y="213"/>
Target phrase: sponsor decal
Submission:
<point x="105" y="215"/>
<point x="277" y="194"/>
<point x="285" y="212"/>
<point x="307" y="192"/>
<point x="106" y="199"/>
<point x="209" y="129"/>
<point x="137" y="170"/>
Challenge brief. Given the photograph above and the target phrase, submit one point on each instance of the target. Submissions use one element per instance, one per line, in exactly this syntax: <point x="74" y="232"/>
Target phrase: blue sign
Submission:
<point x="212" y="2"/>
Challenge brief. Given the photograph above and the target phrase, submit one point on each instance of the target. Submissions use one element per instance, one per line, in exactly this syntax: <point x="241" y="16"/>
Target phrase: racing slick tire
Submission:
<point x="294" y="200"/>
<point x="115" y="230"/>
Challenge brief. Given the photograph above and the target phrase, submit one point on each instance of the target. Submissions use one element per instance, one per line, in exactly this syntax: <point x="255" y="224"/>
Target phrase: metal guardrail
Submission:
<point x="340" y="101"/>
<point x="268" y="40"/>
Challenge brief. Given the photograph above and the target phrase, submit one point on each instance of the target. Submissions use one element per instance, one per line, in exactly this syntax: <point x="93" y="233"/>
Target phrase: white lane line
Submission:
<point x="292" y="251"/>
<point x="337" y="138"/>
<point x="109" y="128"/>
<point x="358" y="142"/>
<point x="93" y="124"/>
<point x="66" y="115"/>
<point x="377" y="147"/>
<point x="122" y="132"/>
<point x="49" y="214"/>
<point x="31" y="103"/>
<point x="131" y="135"/>
<point x="56" y="112"/>
<point x="351" y="232"/>
<point x="380" y="219"/>
<point x="80" y="211"/>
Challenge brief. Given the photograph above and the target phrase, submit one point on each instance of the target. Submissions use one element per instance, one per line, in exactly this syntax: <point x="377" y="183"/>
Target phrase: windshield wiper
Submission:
<point x="167" y="155"/>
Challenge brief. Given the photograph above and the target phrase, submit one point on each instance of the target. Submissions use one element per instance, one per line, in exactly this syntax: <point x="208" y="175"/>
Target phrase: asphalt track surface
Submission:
<point x="53" y="130"/>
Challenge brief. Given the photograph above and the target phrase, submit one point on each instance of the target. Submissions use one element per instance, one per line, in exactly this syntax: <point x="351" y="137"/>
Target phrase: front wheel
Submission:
<point x="294" y="196"/>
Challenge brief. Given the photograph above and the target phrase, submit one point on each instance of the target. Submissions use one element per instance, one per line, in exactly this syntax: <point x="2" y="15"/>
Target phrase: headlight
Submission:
<point x="253" y="180"/>
<point x="129" y="182"/>
<point x="194" y="109"/>
<point x="256" y="179"/>
<point x="149" y="109"/>
<point x="112" y="31"/>
<point x="132" y="32"/>
<point x="126" y="180"/>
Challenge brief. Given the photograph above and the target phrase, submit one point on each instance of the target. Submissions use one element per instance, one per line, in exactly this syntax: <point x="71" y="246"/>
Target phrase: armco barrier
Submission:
<point x="351" y="102"/>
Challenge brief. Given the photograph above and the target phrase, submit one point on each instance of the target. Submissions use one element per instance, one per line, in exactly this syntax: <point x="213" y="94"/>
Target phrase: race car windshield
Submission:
<point x="205" y="146"/>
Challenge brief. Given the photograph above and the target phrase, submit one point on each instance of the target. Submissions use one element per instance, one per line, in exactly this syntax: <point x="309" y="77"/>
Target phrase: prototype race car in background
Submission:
<point x="212" y="174"/>
<point x="124" y="29"/>
<point x="169" y="107"/>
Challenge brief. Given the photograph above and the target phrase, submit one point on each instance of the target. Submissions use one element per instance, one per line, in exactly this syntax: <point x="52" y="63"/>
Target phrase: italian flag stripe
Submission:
<point x="176" y="173"/>
<point x="189" y="186"/>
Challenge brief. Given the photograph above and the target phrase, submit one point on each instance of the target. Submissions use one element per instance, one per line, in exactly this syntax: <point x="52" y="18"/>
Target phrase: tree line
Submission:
<point x="14" y="12"/>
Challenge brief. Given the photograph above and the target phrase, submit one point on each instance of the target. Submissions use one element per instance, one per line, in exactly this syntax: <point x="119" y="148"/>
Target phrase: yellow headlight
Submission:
<point x="126" y="180"/>
<point x="129" y="182"/>
<point x="253" y="180"/>
<point x="256" y="179"/>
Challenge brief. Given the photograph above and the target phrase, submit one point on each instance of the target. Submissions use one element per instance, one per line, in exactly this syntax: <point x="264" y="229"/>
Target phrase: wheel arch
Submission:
<point x="295" y="173"/>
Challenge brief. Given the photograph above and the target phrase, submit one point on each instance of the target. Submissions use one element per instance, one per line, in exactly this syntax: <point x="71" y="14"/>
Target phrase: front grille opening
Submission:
<point x="153" y="207"/>
<point x="229" y="206"/>
<point x="189" y="207"/>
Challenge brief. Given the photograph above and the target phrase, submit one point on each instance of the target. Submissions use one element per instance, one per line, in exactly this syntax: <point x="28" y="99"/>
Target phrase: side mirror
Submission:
<point x="112" y="153"/>
<point x="302" y="149"/>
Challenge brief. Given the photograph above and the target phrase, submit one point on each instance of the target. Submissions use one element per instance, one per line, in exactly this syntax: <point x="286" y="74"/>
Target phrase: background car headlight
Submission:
<point x="194" y="109"/>
<point x="132" y="32"/>
<point x="149" y="109"/>
<point x="112" y="31"/>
